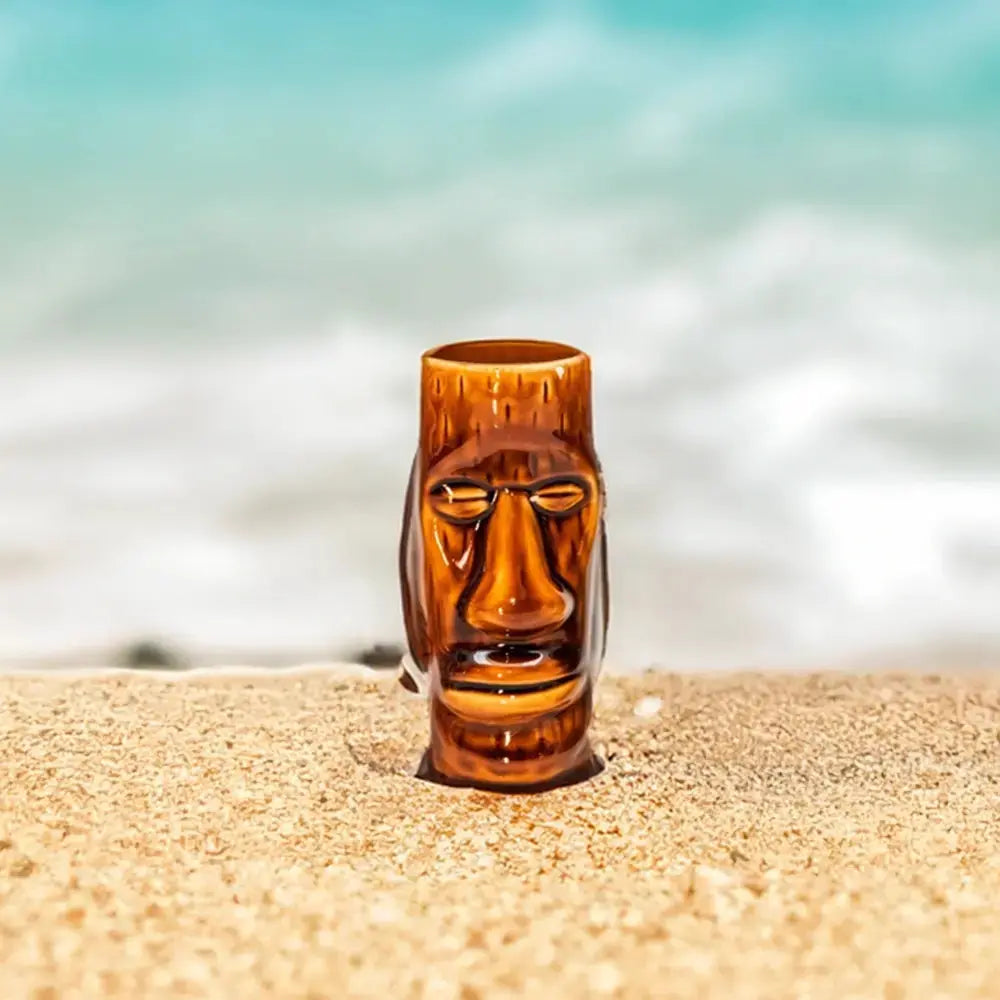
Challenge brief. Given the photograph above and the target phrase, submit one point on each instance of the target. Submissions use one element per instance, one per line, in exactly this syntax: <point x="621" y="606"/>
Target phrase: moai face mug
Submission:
<point x="503" y="564"/>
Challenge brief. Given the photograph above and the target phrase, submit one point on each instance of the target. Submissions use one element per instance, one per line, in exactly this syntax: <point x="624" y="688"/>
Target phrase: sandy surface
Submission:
<point x="752" y="836"/>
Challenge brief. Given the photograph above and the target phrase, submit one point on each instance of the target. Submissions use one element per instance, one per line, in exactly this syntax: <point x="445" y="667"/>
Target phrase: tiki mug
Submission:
<point x="503" y="564"/>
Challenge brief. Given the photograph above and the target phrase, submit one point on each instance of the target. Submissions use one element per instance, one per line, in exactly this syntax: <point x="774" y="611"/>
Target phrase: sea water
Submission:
<point x="227" y="230"/>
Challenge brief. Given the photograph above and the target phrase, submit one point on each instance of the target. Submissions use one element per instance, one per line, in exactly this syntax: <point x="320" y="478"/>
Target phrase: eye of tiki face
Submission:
<point x="462" y="501"/>
<point x="559" y="497"/>
<point x="467" y="501"/>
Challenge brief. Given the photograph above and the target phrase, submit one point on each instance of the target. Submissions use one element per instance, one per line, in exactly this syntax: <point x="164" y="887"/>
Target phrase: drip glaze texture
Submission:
<point x="503" y="564"/>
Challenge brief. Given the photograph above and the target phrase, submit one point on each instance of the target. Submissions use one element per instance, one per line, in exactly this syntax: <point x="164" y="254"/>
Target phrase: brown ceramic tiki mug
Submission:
<point x="503" y="564"/>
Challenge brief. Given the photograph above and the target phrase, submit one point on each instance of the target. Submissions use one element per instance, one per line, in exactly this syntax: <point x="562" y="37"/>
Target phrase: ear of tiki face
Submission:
<point x="414" y="669"/>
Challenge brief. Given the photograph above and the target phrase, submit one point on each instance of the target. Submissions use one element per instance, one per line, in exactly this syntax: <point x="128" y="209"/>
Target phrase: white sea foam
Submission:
<point x="780" y="417"/>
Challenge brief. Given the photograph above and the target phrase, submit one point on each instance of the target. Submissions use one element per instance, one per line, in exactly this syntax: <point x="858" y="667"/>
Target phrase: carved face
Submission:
<point x="506" y="573"/>
<point x="508" y="546"/>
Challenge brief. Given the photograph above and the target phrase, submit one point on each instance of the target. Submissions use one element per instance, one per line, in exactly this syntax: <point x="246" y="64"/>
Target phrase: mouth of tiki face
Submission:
<point x="506" y="668"/>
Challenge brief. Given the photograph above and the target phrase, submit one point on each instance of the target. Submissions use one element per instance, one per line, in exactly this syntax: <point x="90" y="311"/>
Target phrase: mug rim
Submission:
<point x="474" y="354"/>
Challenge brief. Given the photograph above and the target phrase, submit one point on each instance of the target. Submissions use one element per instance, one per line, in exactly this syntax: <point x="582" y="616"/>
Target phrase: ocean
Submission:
<point x="227" y="231"/>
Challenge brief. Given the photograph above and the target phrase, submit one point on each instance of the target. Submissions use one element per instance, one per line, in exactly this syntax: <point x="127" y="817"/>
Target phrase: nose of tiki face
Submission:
<point x="516" y="595"/>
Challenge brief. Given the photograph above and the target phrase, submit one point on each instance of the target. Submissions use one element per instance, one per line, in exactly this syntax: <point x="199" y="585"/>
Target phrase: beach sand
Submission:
<point x="261" y="835"/>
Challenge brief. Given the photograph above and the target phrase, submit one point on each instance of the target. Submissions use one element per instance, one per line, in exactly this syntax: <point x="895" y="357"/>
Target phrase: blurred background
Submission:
<point x="227" y="230"/>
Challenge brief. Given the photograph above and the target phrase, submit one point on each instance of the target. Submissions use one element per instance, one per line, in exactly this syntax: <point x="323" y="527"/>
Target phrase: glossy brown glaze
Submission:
<point x="503" y="563"/>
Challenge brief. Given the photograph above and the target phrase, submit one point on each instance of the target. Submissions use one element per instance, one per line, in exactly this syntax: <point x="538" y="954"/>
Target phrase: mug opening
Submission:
<point x="504" y="352"/>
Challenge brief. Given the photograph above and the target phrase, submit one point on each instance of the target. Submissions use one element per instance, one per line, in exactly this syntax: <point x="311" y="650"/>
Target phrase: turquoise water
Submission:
<point x="194" y="149"/>
<point x="158" y="107"/>
<point x="776" y="226"/>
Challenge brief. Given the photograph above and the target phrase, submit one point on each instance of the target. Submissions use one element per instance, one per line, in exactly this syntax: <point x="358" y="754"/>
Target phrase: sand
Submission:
<point x="244" y="836"/>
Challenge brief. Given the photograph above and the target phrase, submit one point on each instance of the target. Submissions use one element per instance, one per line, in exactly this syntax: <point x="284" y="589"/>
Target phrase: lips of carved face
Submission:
<point x="515" y="595"/>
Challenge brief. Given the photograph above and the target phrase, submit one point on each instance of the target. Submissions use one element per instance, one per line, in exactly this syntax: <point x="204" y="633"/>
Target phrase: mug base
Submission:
<point x="589" y="768"/>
